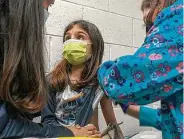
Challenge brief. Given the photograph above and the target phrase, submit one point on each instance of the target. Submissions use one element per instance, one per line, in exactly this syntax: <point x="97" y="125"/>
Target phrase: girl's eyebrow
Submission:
<point x="83" y="32"/>
<point x="79" y="31"/>
<point x="67" y="33"/>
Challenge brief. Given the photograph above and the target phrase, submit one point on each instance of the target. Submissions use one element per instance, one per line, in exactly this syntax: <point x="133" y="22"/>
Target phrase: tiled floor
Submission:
<point x="148" y="135"/>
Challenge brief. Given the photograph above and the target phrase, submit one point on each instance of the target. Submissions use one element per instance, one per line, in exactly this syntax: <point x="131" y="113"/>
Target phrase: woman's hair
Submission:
<point x="59" y="76"/>
<point x="155" y="6"/>
<point x="147" y="4"/>
<point x="22" y="79"/>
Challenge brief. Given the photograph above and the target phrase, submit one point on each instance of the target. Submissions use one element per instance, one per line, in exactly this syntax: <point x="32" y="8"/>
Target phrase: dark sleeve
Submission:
<point x="18" y="127"/>
<point x="48" y="113"/>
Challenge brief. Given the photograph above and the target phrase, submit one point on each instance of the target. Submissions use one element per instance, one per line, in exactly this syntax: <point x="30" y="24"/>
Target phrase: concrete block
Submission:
<point x="117" y="51"/>
<point x="61" y="14"/>
<point x="106" y="55"/>
<point x="129" y="8"/>
<point x="55" y="51"/>
<point x="139" y="32"/>
<point x="99" y="4"/>
<point x="115" y="29"/>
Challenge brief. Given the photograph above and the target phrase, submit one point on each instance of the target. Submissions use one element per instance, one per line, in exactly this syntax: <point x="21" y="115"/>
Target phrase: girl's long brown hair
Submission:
<point x="155" y="7"/>
<point x="22" y="79"/>
<point x="59" y="76"/>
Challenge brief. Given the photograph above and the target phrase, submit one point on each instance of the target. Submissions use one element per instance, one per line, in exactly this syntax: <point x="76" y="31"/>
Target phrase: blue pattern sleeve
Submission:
<point x="155" y="71"/>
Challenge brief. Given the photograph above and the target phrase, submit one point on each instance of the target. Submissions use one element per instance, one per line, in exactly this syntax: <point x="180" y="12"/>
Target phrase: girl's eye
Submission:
<point x="80" y="37"/>
<point x="67" y="38"/>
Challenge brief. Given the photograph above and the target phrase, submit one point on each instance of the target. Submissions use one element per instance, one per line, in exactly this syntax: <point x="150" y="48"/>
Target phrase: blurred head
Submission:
<point x="89" y="33"/>
<point x="145" y="8"/>
<point x="47" y="3"/>
<point x="151" y="8"/>
<point x="22" y="79"/>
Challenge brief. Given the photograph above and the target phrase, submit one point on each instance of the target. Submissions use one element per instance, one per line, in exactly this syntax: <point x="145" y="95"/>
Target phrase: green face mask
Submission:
<point x="75" y="51"/>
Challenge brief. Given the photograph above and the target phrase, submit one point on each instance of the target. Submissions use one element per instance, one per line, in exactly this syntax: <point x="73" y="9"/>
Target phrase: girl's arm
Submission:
<point x="107" y="110"/>
<point x="133" y="111"/>
<point x="94" y="118"/>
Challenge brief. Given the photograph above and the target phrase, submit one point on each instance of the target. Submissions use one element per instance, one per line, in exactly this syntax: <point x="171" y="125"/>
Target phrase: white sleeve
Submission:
<point x="99" y="94"/>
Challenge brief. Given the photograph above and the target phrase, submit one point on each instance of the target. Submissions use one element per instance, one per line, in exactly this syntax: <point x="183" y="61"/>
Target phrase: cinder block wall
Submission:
<point x="120" y="22"/>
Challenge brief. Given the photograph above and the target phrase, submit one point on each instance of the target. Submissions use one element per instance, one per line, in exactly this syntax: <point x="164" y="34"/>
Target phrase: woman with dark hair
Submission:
<point x="74" y="89"/>
<point x="146" y="7"/>
<point x="23" y="89"/>
<point x="153" y="73"/>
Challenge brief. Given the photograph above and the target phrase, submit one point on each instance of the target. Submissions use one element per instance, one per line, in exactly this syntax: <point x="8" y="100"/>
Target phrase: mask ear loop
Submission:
<point x="89" y="55"/>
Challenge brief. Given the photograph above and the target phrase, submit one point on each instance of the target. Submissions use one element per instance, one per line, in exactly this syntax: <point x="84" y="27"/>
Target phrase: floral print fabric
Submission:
<point x="154" y="72"/>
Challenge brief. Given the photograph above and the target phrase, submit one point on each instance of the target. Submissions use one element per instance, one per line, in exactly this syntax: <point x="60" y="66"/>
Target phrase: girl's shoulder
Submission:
<point x="98" y="97"/>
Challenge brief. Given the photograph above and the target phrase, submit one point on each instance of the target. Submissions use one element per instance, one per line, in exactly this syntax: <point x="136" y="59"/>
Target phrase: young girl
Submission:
<point x="74" y="89"/>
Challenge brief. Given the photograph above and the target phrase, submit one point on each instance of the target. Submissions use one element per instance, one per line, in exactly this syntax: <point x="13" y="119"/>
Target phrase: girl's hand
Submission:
<point x="87" y="131"/>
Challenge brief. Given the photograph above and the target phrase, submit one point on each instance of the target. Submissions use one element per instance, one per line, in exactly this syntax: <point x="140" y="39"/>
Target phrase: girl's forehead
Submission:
<point x="76" y="29"/>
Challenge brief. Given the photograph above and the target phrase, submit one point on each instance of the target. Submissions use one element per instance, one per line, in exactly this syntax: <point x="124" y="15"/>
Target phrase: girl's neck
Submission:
<point x="76" y="72"/>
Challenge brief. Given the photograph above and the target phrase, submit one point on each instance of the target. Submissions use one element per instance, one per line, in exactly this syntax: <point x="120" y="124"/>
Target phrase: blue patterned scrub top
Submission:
<point x="154" y="72"/>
